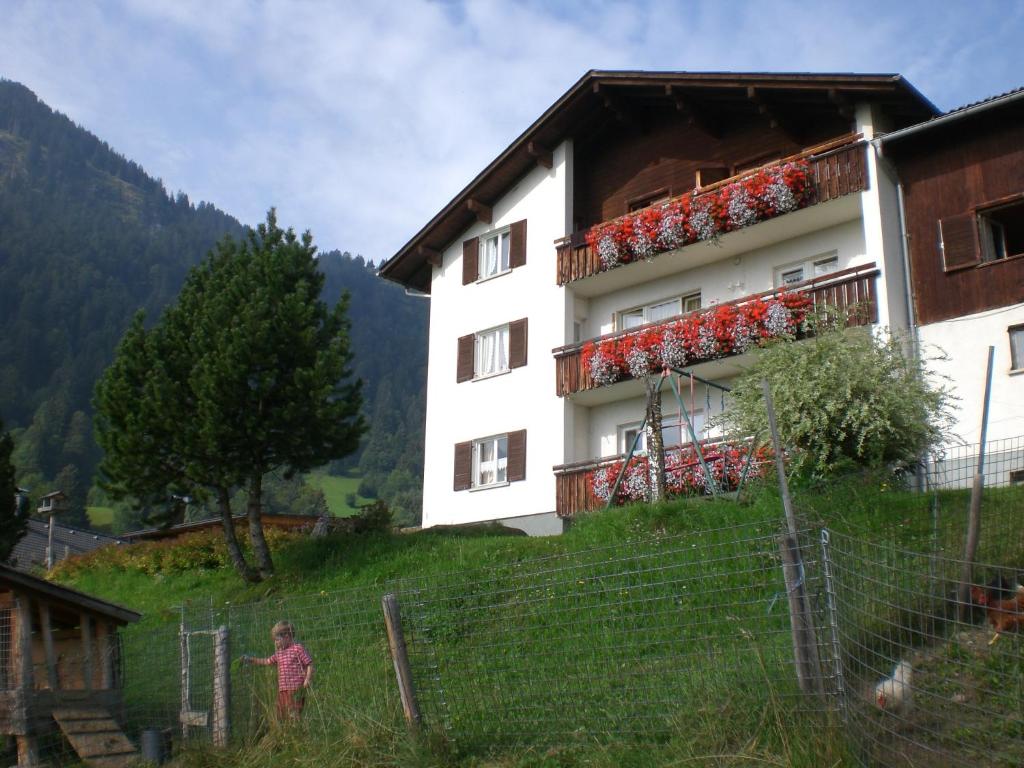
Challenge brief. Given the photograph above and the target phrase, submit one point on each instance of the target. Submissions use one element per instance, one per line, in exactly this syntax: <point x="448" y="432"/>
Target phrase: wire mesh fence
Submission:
<point x="954" y="466"/>
<point x="920" y="686"/>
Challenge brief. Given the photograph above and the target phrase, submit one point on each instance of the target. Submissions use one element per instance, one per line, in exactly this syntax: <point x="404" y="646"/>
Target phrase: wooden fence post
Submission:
<point x="221" y="688"/>
<point x="805" y="643"/>
<point x="400" y="657"/>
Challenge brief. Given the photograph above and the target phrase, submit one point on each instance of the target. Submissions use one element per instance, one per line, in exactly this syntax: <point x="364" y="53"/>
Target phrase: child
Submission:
<point x="294" y="670"/>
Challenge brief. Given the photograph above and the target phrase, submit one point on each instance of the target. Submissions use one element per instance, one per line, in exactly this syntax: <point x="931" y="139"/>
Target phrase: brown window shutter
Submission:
<point x="517" y="343"/>
<point x="517" y="244"/>
<point x="470" y="260"/>
<point x="464" y="368"/>
<point x="959" y="241"/>
<point x="463" y="466"/>
<point x="517" y="455"/>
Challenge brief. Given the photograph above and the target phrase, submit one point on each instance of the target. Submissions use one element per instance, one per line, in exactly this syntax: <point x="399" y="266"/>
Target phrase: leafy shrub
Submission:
<point x="191" y="551"/>
<point x="843" y="398"/>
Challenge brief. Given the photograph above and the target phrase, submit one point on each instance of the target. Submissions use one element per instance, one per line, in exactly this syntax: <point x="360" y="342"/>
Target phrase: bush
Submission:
<point x="843" y="398"/>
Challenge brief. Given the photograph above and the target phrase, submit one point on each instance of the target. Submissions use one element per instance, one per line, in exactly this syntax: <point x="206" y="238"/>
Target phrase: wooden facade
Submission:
<point x="838" y="169"/>
<point x="951" y="173"/>
<point x="849" y="289"/>
<point x="60" y="663"/>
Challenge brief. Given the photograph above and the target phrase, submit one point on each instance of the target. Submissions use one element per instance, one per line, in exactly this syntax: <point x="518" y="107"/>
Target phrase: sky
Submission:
<point x="360" y="120"/>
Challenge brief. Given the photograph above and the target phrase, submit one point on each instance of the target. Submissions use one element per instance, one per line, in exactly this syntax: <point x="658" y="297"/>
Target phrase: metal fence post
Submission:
<point x="833" y="621"/>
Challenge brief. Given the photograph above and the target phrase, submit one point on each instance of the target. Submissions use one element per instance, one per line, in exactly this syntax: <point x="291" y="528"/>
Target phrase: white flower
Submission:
<point x="608" y="251"/>
<point x="707" y="343"/>
<point x="744" y="334"/>
<point x="642" y="246"/>
<point x="602" y="369"/>
<point x="778" y="194"/>
<point x="776" y="320"/>
<point x="703" y="222"/>
<point x="602" y="484"/>
<point x="634" y="485"/>
<point x="673" y="351"/>
<point x="672" y="230"/>
<point x="741" y="208"/>
<point x="639" y="362"/>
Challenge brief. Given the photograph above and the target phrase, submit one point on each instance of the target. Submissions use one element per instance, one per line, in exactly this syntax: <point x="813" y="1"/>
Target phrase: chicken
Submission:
<point x="1004" y="607"/>
<point x="894" y="694"/>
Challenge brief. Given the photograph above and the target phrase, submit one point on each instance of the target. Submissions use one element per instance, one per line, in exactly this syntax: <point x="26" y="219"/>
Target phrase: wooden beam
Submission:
<point x="431" y="256"/>
<point x="86" y="630"/>
<point x="23" y="646"/>
<point x="775" y="121"/>
<point x="695" y="116"/>
<point x="540" y="154"/>
<point x="843" y="105"/>
<point x="482" y="210"/>
<point x="105" y="642"/>
<point x="46" y="627"/>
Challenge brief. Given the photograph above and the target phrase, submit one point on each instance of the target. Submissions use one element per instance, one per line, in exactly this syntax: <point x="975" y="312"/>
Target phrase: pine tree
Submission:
<point x="12" y="518"/>
<point x="249" y="372"/>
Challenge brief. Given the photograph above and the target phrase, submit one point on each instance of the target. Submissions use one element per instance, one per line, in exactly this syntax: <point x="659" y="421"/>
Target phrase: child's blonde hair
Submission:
<point x="283" y="628"/>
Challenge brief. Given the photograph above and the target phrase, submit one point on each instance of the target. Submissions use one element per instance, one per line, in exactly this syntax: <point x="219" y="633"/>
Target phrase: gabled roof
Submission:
<point x="55" y="593"/>
<point x="687" y="91"/>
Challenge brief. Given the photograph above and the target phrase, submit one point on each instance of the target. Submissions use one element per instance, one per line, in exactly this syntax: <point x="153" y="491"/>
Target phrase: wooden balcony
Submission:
<point x="848" y="289"/>
<point x="838" y="169"/>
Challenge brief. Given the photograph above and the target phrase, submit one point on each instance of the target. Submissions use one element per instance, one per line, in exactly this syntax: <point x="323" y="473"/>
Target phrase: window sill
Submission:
<point x="494" y="375"/>
<point x="476" y="488"/>
<point x="494" y="276"/>
<point x="1016" y="372"/>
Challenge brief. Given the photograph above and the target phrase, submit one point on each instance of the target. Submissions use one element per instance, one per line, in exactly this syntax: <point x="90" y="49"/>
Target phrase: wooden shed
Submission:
<point x="60" y="667"/>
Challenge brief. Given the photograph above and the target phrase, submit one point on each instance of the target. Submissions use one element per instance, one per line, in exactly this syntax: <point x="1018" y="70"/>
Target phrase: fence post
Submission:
<point x="183" y="638"/>
<point x="974" y="517"/>
<point x="400" y="658"/>
<point x="833" y="620"/>
<point x="805" y="644"/>
<point x="221" y="687"/>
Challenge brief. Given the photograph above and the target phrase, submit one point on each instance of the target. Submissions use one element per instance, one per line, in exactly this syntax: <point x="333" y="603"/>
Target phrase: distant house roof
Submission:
<point x="30" y="552"/>
<point x="954" y="115"/>
<point x="590" y="95"/>
<point x="290" y="522"/>
<point x="55" y="494"/>
<point x="19" y="581"/>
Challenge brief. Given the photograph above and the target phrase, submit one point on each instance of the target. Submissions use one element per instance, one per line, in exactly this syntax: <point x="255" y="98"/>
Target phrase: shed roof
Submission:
<point x="55" y="593"/>
<point x="695" y="92"/>
<point x="31" y="549"/>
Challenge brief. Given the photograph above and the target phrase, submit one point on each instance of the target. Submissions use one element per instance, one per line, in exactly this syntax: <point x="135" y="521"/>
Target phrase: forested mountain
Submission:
<point x="86" y="239"/>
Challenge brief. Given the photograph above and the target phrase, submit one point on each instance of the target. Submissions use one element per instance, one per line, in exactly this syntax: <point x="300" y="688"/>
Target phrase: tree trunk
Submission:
<point x="260" y="550"/>
<point x="245" y="570"/>
<point x="655" y="443"/>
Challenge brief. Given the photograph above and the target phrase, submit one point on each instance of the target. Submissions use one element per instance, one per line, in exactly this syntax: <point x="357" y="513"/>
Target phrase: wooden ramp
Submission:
<point x="96" y="737"/>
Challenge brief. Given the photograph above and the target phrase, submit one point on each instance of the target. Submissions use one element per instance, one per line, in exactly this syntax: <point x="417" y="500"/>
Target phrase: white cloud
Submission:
<point x="360" y="120"/>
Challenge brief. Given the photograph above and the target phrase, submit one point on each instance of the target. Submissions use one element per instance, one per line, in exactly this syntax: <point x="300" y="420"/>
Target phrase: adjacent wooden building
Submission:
<point x="60" y="668"/>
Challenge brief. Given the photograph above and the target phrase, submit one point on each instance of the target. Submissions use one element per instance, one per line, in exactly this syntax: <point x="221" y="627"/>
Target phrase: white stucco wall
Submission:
<point x="523" y="398"/>
<point x="730" y="278"/>
<point x="966" y="340"/>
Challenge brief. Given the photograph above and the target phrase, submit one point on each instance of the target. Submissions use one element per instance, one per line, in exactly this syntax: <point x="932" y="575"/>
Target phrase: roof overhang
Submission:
<point x="954" y="116"/>
<point x="50" y="592"/>
<point x="601" y="90"/>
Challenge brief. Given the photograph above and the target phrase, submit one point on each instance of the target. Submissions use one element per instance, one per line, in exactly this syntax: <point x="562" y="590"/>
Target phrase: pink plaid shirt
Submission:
<point x="291" y="666"/>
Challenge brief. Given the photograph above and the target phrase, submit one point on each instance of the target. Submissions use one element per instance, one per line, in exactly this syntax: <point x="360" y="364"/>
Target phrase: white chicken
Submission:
<point x="894" y="694"/>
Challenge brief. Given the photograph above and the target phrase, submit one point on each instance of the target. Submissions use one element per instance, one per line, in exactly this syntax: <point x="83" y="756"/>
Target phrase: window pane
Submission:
<point x="691" y="302"/>
<point x="632" y="319"/>
<point x="502" y="469"/>
<point x="628" y="436"/>
<point x="671" y="435"/>
<point x="1017" y="348"/>
<point x="485" y="474"/>
<point x="663" y="310"/>
<point x="504" y="251"/>
<point x="492" y="351"/>
<point x="791" y="276"/>
<point x="824" y="266"/>
<point x="489" y="257"/>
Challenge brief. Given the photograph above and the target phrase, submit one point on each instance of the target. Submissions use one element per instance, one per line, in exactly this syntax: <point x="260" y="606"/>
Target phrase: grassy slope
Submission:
<point x="757" y="734"/>
<point x="335" y="490"/>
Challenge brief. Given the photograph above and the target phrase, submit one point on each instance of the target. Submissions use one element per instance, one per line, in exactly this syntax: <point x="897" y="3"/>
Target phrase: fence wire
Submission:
<point x="922" y="688"/>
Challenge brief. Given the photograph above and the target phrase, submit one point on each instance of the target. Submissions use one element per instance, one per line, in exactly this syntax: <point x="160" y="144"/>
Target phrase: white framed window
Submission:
<point x="658" y="311"/>
<point x="1016" y="347"/>
<point x="494" y="254"/>
<point x="490" y="352"/>
<point x="673" y="432"/>
<point x="819" y="265"/>
<point x="490" y="461"/>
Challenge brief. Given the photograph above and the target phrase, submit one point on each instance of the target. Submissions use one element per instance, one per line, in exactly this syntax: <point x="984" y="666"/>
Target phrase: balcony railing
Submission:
<point x="574" y="487"/>
<point x="850" y="289"/>
<point x="837" y="169"/>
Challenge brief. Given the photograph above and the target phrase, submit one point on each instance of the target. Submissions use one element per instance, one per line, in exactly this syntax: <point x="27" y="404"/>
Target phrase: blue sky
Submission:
<point x="360" y="120"/>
